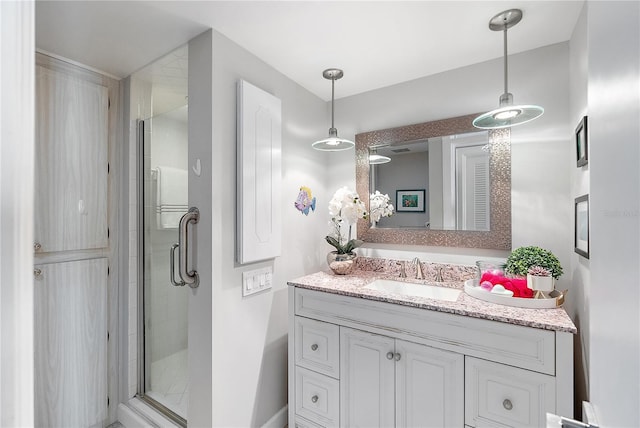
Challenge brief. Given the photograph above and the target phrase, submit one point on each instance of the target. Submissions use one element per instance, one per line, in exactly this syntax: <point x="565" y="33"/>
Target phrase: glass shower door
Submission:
<point x="165" y="307"/>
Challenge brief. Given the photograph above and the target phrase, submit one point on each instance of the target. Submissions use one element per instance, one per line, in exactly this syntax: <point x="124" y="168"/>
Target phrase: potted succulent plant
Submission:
<point x="540" y="266"/>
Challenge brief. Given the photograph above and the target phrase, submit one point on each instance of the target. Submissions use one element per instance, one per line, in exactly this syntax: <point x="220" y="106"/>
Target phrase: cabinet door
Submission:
<point x="429" y="386"/>
<point x="70" y="325"/>
<point x="70" y="207"/>
<point x="367" y="372"/>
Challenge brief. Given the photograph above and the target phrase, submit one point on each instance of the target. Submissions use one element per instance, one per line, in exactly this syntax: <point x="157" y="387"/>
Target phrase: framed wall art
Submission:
<point x="582" y="143"/>
<point x="581" y="234"/>
<point x="410" y="201"/>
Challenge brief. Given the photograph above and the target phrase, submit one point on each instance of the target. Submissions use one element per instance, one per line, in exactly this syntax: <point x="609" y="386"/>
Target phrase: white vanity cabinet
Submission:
<point x="357" y="362"/>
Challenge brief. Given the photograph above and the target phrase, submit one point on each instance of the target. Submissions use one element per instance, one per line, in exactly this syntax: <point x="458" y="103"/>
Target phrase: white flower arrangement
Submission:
<point x="380" y="206"/>
<point x="345" y="209"/>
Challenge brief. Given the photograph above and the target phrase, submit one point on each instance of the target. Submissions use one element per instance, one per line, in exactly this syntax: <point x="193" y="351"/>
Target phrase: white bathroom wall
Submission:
<point x="577" y="303"/>
<point x="250" y="333"/>
<point x="201" y="193"/>
<point x="613" y="42"/>
<point x="17" y="122"/>
<point x="541" y="150"/>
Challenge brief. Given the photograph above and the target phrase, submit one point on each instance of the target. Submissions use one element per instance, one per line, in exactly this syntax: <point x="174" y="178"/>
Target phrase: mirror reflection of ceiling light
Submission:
<point x="376" y="159"/>
<point x="333" y="143"/>
<point x="507" y="114"/>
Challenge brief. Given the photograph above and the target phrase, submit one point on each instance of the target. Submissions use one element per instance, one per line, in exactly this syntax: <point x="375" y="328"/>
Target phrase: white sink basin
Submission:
<point x="418" y="290"/>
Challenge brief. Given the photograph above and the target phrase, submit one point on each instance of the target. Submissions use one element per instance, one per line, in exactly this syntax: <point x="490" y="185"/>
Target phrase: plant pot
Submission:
<point x="341" y="264"/>
<point x="540" y="284"/>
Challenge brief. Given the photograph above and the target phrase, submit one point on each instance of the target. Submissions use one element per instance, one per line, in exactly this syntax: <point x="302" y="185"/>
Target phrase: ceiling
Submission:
<point x="376" y="43"/>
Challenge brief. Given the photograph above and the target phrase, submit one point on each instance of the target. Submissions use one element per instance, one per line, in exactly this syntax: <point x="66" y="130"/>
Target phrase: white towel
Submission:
<point x="171" y="194"/>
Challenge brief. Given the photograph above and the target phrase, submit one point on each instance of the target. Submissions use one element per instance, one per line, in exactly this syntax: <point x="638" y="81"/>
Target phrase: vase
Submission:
<point x="341" y="264"/>
<point x="540" y="284"/>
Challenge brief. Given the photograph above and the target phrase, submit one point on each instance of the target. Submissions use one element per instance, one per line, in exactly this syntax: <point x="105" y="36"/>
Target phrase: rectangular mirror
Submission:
<point x="450" y="184"/>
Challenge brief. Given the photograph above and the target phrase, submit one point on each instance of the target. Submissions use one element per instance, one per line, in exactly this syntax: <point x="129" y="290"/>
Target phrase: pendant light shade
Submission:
<point x="507" y="114"/>
<point x="333" y="143"/>
<point x="376" y="159"/>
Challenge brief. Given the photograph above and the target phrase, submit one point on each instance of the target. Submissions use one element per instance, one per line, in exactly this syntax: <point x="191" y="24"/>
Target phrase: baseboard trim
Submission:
<point x="137" y="414"/>
<point x="279" y="420"/>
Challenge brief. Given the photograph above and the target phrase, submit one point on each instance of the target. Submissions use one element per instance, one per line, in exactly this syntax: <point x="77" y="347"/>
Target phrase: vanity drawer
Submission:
<point x="501" y="395"/>
<point x="317" y="346"/>
<point x="317" y="398"/>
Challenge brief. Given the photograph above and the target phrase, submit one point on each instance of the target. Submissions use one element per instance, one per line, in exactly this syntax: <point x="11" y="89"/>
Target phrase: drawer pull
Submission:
<point x="314" y="347"/>
<point x="507" y="404"/>
<point x="389" y="355"/>
<point x="397" y="357"/>
<point x="314" y="399"/>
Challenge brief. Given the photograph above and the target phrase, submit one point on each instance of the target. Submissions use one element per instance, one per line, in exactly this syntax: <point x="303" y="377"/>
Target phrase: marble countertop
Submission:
<point x="555" y="319"/>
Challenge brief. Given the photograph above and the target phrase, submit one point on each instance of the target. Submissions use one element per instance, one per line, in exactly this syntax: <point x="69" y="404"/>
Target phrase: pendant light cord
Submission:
<point x="506" y="67"/>
<point x="333" y="82"/>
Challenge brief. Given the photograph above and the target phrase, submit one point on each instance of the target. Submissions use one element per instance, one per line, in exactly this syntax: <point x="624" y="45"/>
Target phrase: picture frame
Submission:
<point x="582" y="143"/>
<point x="410" y="201"/>
<point x="581" y="232"/>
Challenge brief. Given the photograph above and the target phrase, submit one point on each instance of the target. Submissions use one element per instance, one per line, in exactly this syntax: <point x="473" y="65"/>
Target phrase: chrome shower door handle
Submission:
<point x="187" y="276"/>
<point x="172" y="266"/>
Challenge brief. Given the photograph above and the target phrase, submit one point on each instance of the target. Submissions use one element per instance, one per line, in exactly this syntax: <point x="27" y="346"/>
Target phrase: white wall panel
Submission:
<point x="259" y="174"/>
<point x="71" y="162"/>
<point x="71" y="343"/>
<point x="77" y="136"/>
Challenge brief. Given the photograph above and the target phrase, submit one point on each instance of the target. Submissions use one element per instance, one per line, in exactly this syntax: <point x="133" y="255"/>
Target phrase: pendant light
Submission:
<point x="333" y="143"/>
<point x="507" y="114"/>
<point x="376" y="159"/>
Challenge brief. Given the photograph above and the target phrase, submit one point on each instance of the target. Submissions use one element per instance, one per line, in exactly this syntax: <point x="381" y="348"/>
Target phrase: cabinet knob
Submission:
<point x="314" y="399"/>
<point x="389" y="355"/>
<point x="397" y="357"/>
<point x="314" y="347"/>
<point x="37" y="246"/>
<point x="507" y="404"/>
<point x="37" y="272"/>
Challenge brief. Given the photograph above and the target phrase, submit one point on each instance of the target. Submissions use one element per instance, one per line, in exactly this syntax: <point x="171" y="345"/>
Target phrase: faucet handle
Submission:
<point x="439" y="275"/>
<point x="403" y="269"/>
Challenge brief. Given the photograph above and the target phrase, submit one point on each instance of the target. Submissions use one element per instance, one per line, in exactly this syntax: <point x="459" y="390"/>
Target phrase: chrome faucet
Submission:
<point x="419" y="270"/>
<point x="439" y="275"/>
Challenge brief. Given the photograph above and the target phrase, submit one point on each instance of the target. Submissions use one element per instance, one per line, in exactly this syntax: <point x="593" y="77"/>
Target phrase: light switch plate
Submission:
<point x="254" y="281"/>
